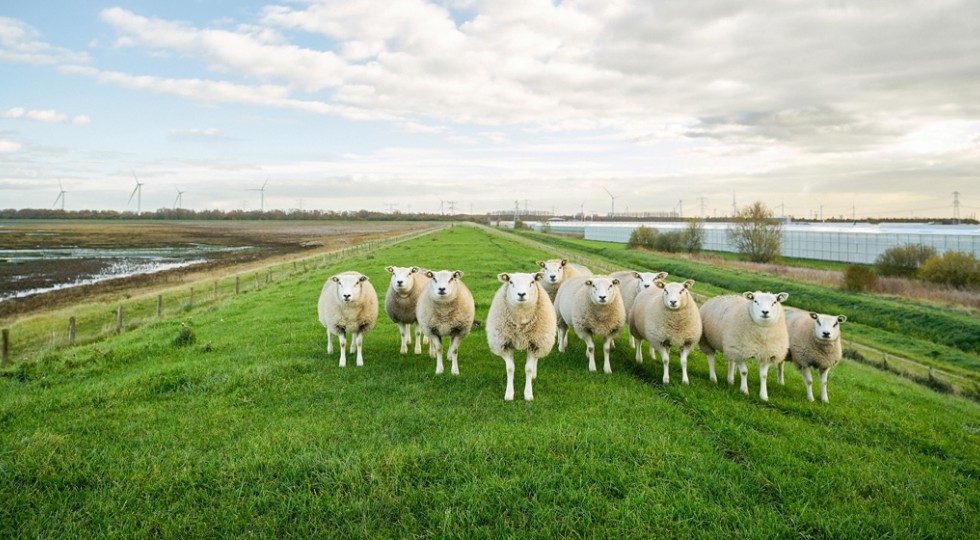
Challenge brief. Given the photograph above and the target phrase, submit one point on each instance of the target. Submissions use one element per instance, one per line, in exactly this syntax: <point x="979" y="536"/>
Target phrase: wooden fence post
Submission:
<point x="236" y="284"/>
<point x="5" y="357"/>
<point x="256" y="280"/>
<point x="119" y="318"/>
<point x="159" y="304"/>
<point x="268" y="276"/>
<point x="71" y="330"/>
<point x="190" y="297"/>
<point x="214" y="290"/>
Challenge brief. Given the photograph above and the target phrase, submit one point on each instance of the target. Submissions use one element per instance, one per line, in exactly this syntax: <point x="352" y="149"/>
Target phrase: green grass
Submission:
<point x="251" y="431"/>
<point x="943" y="338"/>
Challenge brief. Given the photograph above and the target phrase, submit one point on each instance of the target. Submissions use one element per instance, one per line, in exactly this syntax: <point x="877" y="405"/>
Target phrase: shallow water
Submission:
<point x="25" y="272"/>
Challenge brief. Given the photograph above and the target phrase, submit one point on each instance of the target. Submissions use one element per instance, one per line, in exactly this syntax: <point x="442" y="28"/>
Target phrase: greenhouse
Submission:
<point x="844" y="242"/>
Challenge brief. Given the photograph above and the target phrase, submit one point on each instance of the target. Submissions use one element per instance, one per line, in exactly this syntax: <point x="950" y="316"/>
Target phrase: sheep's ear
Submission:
<point x="814" y="315"/>
<point x="503" y="278"/>
<point x="429" y="274"/>
<point x="662" y="275"/>
<point x="538" y="276"/>
<point x="390" y="269"/>
<point x="564" y="262"/>
<point x="749" y="295"/>
<point x="415" y="269"/>
<point x="335" y="279"/>
<point x="659" y="284"/>
<point x="541" y="264"/>
<point x="458" y="274"/>
<point x="841" y="318"/>
<point x="615" y="281"/>
<point x="781" y="297"/>
<point x="688" y="283"/>
<point x="636" y="274"/>
<point x="362" y="278"/>
<point x="588" y="283"/>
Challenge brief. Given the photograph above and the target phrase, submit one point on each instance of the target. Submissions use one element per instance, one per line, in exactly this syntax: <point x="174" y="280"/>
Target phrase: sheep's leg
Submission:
<point x="329" y="342"/>
<point x="562" y="339"/>
<point x="453" y="353"/>
<point x="743" y="371"/>
<point x="731" y="371"/>
<point x="763" y="376"/>
<point x="508" y="357"/>
<point x="590" y="351"/>
<point x="632" y="340"/>
<point x="352" y="343"/>
<point x="437" y="345"/>
<point x="808" y="381"/>
<point x="684" y="352"/>
<point x="342" y="340"/>
<point x="418" y="339"/>
<point x="405" y="330"/>
<point x="711" y="367"/>
<point x="823" y="384"/>
<point x="358" y="339"/>
<point x="607" y="344"/>
<point x="530" y="372"/>
<point x="639" y="351"/>
<point x="665" y="358"/>
<point x="779" y="373"/>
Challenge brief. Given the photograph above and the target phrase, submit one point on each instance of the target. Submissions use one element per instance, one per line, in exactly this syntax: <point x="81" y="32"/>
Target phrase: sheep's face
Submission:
<point x="521" y="288"/>
<point x="675" y="294"/>
<point x="443" y="284"/>
<point x="348" y="287"/>
<point x="645" y="280"/>
<point x="826" y="327"/>
<point x="602" y="290"/>
<point x="402" y="279"/>
<point x="553" y="270"/>
<point x="766" y="308"/>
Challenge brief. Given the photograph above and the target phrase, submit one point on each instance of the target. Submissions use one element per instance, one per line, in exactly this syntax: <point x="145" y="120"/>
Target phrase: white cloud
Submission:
<point x="196" y="133"/>
<point x="7" y="147"/>
<point x="19" y="43"/>
<point x="49" y="116"/>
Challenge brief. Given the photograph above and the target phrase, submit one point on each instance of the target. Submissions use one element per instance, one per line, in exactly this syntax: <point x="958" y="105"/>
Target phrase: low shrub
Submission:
<point x="953" y="268"/>
<point x="903" y="261"/>
<point x="857" y="278"/>
<point x="643" y="236"/>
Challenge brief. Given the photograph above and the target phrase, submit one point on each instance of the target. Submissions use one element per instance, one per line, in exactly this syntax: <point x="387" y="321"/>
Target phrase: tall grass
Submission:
<point x="252" y="431"/>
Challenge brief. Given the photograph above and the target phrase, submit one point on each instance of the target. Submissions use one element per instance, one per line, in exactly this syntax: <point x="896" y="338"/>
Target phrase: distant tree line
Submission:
<point x="205" y="215"/>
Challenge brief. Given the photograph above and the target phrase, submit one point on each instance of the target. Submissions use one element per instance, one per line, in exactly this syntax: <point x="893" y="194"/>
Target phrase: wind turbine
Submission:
<point x="261" y="191"/>
<point x="61" y="195"/>
<point x="138" y="192"/>
<point x="612" y="212"/>
<point x="179" y="199"/>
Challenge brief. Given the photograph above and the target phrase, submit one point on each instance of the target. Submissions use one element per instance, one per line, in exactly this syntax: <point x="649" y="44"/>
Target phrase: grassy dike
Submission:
<point x="250" y="431"/>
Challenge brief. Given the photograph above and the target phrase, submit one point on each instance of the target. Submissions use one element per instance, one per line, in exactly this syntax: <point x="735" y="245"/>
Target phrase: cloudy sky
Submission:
<point x="866" y="106"/>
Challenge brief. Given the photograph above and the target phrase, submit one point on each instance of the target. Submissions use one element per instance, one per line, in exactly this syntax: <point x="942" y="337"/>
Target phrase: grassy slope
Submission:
<point x="251" y="431"/>
<point x="944" y="338"/>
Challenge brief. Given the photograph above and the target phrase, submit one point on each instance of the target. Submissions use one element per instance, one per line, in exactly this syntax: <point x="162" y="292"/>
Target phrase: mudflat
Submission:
<point x="261" y="242"/>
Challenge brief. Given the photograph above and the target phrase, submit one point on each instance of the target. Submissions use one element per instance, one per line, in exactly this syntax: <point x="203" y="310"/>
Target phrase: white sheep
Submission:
<point x="404" y="289"/>
<point x="445" y="308"/>
<point x="593" y="307"/>
<point x="666" y="316"/>
<point x="348" y="303"/>
<point x="741" y="327"/>
<point x="521" y="317"/>
<point x="632" y="283"/>
<point x="814" y="341"/>
<point x="557" y="271"/>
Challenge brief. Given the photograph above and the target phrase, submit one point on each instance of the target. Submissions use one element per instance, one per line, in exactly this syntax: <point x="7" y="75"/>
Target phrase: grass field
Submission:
<point x="251" y="431"/>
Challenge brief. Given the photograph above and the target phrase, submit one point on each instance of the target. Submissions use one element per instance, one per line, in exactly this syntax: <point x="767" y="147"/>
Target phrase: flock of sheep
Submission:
<point x="530" y="309"/>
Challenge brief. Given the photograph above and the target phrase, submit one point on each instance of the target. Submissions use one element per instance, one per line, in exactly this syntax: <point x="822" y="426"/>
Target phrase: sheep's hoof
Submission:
<point x="508" y="397"/>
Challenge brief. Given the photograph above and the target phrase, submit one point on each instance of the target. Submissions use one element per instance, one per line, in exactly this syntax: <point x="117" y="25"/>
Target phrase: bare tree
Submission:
<point x="755" y="233"/>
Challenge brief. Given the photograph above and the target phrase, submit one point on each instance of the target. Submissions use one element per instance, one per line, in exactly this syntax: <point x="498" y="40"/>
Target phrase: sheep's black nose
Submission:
<point x="521" y="294"/>
<point x="673" y="303"/>
<point x="400" y="282"/>
<point x="442" y="290"/>
<point x="646" y="285"/>
<point x="765" y="313"/>
<point x="603" y="298"/>
<point x="346" y="297"/>
<point x="826" y="334"/>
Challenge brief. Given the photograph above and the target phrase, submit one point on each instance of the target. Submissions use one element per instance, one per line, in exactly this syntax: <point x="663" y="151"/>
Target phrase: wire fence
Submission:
<point x="32" y="337"/>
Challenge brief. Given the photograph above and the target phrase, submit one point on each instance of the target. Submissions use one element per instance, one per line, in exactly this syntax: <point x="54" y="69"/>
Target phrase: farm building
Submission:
<point x="844" y="242"/>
